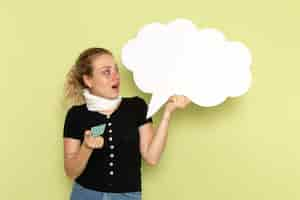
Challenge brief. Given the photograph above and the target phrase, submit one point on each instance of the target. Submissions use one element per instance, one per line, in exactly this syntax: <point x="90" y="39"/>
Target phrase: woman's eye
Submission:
<point x="106" y="72"/>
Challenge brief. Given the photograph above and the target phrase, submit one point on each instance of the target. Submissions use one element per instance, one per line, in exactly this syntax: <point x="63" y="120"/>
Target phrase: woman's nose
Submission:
<point x="116" y="76"/>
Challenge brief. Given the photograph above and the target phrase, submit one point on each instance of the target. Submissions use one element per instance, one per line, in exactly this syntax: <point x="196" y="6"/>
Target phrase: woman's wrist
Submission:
<point x="167" y="114"/>
<point x="86" y="147"/>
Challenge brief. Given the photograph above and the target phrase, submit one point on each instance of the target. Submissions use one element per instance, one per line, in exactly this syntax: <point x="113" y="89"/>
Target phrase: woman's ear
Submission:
<point x="87" y="81"/>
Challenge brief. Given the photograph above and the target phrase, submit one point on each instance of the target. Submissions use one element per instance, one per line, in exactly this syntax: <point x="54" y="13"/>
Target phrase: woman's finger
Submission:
<point x="87" y="132"/>
<point x="99" y="142"/>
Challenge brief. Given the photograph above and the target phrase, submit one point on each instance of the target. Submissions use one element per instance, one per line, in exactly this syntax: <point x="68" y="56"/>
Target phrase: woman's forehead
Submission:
<point x="103" y="61"/>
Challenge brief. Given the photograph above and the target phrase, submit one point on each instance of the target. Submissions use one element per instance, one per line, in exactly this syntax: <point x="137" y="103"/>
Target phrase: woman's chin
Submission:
<point x="115" y="95"/>
<point x="116" y="92"/>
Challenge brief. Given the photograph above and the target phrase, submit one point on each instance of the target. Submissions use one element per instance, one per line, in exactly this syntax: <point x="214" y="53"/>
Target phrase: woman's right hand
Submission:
<point x="92" y="142"/>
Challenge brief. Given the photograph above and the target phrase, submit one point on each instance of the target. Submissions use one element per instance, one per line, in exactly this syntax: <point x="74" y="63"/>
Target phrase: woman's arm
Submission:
<point x="76" y="156"/>
<point x="152" y="145"/>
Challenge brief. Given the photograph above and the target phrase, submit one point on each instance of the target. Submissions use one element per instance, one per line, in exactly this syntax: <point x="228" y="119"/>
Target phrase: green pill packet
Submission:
<point x="98" y="130"/>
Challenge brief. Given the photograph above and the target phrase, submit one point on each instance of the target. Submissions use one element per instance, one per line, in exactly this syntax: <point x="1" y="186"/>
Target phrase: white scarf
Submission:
<point x="96" y="103"/>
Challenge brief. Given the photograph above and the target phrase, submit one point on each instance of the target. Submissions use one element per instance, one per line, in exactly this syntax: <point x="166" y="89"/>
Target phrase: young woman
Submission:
<point x="108" y="166"/>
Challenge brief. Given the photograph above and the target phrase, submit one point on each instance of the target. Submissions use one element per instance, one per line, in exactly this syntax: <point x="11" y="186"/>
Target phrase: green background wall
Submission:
<point x="245" y="149"/>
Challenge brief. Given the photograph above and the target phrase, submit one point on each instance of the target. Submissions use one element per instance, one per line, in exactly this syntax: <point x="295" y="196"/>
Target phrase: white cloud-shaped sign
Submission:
<point x="180" y="59"/>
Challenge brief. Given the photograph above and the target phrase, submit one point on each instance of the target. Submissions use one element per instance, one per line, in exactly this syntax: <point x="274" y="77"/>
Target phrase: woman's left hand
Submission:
<point x="177" y="101"/>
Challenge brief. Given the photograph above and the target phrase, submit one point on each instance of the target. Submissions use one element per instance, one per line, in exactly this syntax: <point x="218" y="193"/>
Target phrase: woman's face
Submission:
<point x="105" y="79"/>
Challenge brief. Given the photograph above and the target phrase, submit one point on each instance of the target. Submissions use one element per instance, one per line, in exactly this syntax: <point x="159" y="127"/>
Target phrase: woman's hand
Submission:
<point x="177" y="101"/>
<point x="92" y="142"/>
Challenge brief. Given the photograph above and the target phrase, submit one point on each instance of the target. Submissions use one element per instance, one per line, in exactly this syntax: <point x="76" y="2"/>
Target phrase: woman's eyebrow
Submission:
<point x="110" y="66"/>
<point x="104" y="67"/>
<point x="107" y="67"/>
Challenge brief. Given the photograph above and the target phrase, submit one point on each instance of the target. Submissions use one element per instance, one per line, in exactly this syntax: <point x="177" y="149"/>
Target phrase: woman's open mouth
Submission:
<point x="116" y="86"/>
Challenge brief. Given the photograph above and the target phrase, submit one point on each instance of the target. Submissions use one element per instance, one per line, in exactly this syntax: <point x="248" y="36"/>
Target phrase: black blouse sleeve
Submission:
<point x="142" y="112"/>
<point x="71" y="126"/>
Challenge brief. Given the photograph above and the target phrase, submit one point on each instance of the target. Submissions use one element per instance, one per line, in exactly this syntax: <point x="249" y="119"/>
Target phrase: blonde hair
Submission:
<point x="74" y="79"/>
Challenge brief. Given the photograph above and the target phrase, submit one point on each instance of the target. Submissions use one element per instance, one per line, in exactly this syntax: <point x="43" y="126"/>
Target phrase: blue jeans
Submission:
<point x="81" y="193"/>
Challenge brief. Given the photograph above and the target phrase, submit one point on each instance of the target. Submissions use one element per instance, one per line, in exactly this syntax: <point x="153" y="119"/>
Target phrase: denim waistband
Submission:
<point x="79" y="192"/>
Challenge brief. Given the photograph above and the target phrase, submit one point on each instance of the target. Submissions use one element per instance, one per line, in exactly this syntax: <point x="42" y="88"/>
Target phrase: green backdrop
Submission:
<point x="246" y="148"/>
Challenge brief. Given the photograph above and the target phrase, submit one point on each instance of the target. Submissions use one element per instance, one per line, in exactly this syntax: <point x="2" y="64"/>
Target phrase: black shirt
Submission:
<point x="117" y="166"/>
